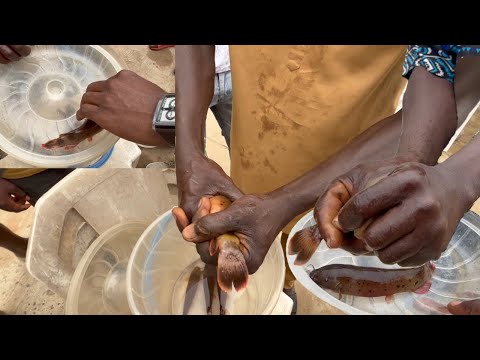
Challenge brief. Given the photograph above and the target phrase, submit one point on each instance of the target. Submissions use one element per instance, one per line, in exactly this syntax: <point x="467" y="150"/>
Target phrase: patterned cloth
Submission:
<point x="440" y="60"/>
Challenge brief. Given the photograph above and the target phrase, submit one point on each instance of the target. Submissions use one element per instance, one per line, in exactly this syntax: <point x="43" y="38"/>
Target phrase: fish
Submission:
<point x="232" y="271"/>
<point x="306" y="241"/>
<point x="70" y="140"/>
<point x="373" y="282"/>
<point x="197" y="278"/>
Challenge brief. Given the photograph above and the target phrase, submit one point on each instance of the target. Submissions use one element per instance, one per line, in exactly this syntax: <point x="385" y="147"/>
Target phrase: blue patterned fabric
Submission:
<point x="440" y="60"/>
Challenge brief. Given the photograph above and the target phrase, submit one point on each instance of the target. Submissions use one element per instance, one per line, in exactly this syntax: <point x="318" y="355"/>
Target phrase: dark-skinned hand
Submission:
<point x="9" y="53"/>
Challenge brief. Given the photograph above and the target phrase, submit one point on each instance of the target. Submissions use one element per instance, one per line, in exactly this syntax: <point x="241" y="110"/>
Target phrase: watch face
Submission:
<point x="167" y="114"/>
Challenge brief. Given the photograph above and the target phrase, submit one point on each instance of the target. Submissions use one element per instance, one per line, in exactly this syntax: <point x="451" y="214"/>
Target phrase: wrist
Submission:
<point x="466" y="185"/>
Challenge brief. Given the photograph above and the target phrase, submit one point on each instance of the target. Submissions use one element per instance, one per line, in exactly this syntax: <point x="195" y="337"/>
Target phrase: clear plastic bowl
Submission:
<point x="457" y="274"/>
<point x="39" y="97"/>
<point x="160" y="265"/>
<point x="98" y="286"/>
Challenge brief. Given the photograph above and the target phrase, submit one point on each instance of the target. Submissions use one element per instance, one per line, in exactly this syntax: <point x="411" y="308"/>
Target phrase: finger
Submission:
<point x="420" y="258"/>
<point x="389" y="227"/>
<point x="204" y="208"/>
<point x="92" y="98"/>
<point x="326" y="210"/>
<point x="471" y="307"/>
<point x="8" y="53"/>
<point x="21" y="50"/>
<point x="180" y="218"/>
<point x="15" y="207"/>
<point x="3" y="60"/>
<point x="402" y="249"/>
<point x="87" y="111"/>
<point x="15" y="190"/>
<point x="204" y="252"/>
<point x="97" y="86"/>
<point x="212" y="225"/>
<point x="374" y="200"/>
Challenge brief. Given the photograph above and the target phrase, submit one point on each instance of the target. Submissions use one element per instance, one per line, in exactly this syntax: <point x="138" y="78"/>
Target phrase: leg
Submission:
<point x="13" y="242"/>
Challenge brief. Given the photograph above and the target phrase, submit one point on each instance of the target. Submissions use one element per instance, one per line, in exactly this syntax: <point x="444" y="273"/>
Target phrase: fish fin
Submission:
<point x="425" y="288"/>
<point x="304" y="243"/>
<point x="70" y="147"/>
<point x="232" y="269"/>
<point x="213" y="246"/>
<point x="90" y="139"/>
<point x="389" y="299"/>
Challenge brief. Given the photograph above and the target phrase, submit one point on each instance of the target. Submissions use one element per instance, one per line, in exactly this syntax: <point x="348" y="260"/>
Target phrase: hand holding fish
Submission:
<point x="254" y="219"/>
<point x="123" y="105"/>
<point x="9" y="53"/>
<point x="408" y="217"/>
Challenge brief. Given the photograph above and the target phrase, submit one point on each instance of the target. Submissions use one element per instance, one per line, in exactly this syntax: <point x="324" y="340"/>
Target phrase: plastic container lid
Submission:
<point x="161" y="265"/>
<point x="456" y="276"/>
<point x="98" y="285"/>
<point x="39" y="97"/>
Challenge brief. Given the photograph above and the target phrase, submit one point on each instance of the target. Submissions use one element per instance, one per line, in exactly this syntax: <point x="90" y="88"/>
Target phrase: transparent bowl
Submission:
<point x="39" y="97"/>
<point x="98" y="286"/>
<point x="457" y="274"/>
<point x="162" y="262"/>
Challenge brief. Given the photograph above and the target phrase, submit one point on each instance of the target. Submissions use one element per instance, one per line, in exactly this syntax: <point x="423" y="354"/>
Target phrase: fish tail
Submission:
<point x="232" y="268"/>
<point x="304" y="243"/>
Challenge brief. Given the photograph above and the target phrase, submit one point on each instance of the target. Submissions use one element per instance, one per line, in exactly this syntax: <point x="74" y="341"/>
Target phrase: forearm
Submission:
<point x="429" y="116"/>
<point x="194" y="82"/>
<point x="465" y="162"/>
<point x="376" y="143"/>
<point x="380" y="142"/>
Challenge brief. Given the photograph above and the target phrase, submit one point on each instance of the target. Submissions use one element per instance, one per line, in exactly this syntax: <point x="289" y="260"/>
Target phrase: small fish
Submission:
<point x="70" y="140"/>
<point x="197" y="278"/>
<point x="373" y="282"/>
<point x="306" y="241"/>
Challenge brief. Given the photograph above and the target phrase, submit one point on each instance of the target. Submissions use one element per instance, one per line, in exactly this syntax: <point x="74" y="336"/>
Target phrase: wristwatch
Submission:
<point x="164" y="118"/>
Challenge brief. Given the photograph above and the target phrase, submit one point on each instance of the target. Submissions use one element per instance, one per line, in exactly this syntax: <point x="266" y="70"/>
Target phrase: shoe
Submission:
<point x="291" y="293"/>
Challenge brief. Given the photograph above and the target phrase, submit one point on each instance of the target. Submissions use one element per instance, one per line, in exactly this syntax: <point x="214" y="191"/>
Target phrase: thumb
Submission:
<point x="210" y="226"/>
<point x="471" y="307"/>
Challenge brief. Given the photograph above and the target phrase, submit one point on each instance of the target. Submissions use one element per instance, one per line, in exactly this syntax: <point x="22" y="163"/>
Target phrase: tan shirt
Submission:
<point x="298" y="105"/>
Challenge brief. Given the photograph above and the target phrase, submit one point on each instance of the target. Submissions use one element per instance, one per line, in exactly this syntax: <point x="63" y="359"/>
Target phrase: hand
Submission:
<point x="471" y="307"/>
<point x="124" y="105"/>
<point x="406" y="213"/>
<point x="202" y="177"/>
<point x="255" y="219"/>
<point x="9" y="53"/>
<point x="12" y="198"/>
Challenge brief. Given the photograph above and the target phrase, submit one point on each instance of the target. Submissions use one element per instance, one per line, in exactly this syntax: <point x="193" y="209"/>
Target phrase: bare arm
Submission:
<point x="194" y="77"/>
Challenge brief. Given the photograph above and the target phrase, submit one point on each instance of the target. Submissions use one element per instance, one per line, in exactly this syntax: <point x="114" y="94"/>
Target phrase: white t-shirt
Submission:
<point x="222" y="59"/>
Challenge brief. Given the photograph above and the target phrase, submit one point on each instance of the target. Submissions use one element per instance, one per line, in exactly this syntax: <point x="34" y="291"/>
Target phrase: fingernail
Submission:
<point x="28" y="198"/>
<point x="455" y="303"/>
<point x="329" y="242"/>
<point x="336" y="223"/>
